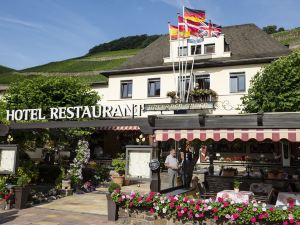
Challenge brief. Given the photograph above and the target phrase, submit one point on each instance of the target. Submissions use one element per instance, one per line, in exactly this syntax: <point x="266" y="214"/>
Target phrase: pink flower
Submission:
<point x="240" y="210"/>
<point x="185" y="199"/>
<point x="297" y="223"/>
<point x="130" y="204"/>
<point x="227" y="216"/>
<point x="185" y="210"/>
<point x="285" y="223"/>
<point x="197" y="207"/>
<point x="261" y="216"/>
<point x="152" y="210"/>
<point x="215" y="210"/>
<point x="226" y="204"/>
<point x="201" y="215"/>
<point x="172" y="205"/>
<point x="291" y="220"/>
<point x="192" y="202"/>
<point x="216" y="218"/>
<point x="253" y="219"/>
<point x="178" y="207"/>
<point x="271" y="209"/>
<point x="254" y="209"/>
<point x="179" y="214"/>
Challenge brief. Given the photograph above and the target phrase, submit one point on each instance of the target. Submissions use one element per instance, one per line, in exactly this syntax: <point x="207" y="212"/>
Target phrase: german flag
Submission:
<point x="194" y="15"/>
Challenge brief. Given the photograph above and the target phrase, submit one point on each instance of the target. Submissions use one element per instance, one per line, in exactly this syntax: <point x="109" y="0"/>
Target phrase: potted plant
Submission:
<point x="112" y="207"/>
<point x="119" y="169"/>
<point x="22" y="189"/>
<point x="236" y="185"/>
<point x="204" y="95"/>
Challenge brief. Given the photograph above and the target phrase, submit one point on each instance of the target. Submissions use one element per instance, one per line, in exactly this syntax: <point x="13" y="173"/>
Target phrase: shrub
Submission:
<point x="113" y="186"/>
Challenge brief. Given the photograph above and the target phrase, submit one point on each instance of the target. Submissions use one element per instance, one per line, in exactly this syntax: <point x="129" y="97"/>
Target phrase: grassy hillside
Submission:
<point x="130" y="42"/>
<point x="4" y="69"/>
<point x="288" y="37"/>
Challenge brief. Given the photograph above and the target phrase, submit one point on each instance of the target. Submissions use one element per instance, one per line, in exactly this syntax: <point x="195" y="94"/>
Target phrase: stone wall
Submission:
<point x="146" y="218"/>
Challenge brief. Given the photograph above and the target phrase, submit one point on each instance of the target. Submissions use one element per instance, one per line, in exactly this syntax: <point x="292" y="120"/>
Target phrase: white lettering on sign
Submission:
<point x="76" y="112"/>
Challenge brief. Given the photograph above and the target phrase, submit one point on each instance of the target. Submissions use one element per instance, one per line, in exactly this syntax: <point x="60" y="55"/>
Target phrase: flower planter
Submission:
<point x="112" y="209"/>
<point x="118" y="180"/>
<point x="236" y="190"/>
<point x="21" y="196"/>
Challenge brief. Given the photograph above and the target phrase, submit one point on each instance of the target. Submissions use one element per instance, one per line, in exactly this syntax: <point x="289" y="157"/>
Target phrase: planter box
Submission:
<point x="21" y="197"/>
<point x="112" y="209"/>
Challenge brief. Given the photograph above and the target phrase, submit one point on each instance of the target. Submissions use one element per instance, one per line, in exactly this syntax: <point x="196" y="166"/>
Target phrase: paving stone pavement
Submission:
<point x="42" y="216"/>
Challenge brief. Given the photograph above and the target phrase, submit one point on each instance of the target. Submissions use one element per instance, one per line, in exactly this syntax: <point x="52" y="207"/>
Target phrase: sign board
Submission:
<point x="179" y="106"/>
<point x="75" y="112"/>
<point x="138" y="158"/>
<point x="8" y="159"/>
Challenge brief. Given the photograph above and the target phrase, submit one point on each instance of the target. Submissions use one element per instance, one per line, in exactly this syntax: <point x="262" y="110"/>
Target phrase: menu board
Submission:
<point x="137" y="162"/>
<point x="8" y="157"/>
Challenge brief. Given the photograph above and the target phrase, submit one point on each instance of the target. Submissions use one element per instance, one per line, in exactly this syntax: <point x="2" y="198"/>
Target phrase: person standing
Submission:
<point x="172" y="164"/>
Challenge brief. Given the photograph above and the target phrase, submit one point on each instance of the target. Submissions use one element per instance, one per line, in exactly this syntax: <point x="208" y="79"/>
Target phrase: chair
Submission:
<point x="204" y="192"/>
<point x="268" y="199"/>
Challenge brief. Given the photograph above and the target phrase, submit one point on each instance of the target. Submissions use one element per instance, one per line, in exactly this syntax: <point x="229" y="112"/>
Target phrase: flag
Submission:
<point x="194" y="15"/>
<point x="173" y="32"/>
<point x="210" y="29"/>
<point x="188" y="26"/>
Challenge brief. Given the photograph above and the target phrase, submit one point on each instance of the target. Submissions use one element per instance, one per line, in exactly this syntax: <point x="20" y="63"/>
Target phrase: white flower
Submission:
<point x="164" y="210"/>
<point x="141" y="136"/>
<point x="209" y="207"/>
<point x="264" y="205"/>
<point x="263" y="209"/>
<point x="206" y="200"/>
<point x="156" y="208"/>
<point x="284" y="208"/>
<point x="255" y="205"/>
<point x="232" y="202"/>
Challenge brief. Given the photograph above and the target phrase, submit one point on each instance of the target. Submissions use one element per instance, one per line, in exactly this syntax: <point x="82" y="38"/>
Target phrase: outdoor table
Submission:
<point x="287" y="197"/>
<point x="237" y="197"/>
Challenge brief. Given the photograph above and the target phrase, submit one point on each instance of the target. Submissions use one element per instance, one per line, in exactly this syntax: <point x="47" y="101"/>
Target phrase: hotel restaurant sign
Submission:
<point x="100" y="111"/>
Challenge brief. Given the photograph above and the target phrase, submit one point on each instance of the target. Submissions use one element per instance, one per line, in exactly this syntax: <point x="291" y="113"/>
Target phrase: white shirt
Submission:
<point x="171" y="161"/>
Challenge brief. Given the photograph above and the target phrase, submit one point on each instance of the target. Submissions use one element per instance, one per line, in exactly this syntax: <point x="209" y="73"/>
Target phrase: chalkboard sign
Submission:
<point x="8" y="159"/>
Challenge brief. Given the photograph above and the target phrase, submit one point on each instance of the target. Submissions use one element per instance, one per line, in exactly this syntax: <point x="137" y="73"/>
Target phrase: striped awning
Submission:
<point x="293" y="135"/>
<point x="120" y="128"/>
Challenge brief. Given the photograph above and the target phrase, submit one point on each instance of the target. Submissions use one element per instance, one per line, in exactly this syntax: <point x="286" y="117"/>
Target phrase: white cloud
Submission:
<point x="20" y="22"/>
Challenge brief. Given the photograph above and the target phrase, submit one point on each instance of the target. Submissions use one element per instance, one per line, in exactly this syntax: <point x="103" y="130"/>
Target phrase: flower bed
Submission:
<point x="220" y="210"/>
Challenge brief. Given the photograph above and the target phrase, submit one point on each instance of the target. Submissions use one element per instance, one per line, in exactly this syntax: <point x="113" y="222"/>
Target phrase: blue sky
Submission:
<point x="34" y="32"/>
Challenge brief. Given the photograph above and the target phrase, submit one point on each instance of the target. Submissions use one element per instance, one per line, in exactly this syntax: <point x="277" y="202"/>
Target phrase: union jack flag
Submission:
<point x="210" y="29"/>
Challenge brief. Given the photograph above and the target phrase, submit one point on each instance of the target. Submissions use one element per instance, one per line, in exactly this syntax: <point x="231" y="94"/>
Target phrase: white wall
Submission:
<point x="219" y="82"/>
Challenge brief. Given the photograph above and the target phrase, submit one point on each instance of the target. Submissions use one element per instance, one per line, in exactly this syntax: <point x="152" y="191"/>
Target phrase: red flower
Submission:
<point x="149" y="199"/>
<point x="261" y="216"/>
<point x="271" y="209"/>
<point x="235" y="216"/>
<point x="216" y="217"/>
<point x="192" y="202"/>
<point x="152" y="210"/>
<point x="215" y="210"/>
<point x="220" y="199"/>
<point x="199" y="202"/>
<point x="120" y="199"/>
<point x="291" y="220"/>
<point x="185" y="199"/>
<point x="197" y="207"/>
<point x="226" y="204"/>
<point x="185" y="210"/>
<point x="201" y="215"/>
<point x="130" y="204"/>
<point x="179" y="214"/>
<point x="253" y="219"/>
<point x="178" y="207"/>
<point x="285" y="223"/>
<point x="172" y="205"/>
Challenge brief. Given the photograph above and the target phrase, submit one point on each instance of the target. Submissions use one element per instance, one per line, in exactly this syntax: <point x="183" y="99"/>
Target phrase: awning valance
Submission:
<point x="119" y="128"/>
<point x="293" y="135"/>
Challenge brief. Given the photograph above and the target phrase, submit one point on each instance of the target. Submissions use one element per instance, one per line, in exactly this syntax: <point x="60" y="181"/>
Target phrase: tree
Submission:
<point x="271" y="29"/>
<point x="276" y="88"/>
<point x="46" y="93"/>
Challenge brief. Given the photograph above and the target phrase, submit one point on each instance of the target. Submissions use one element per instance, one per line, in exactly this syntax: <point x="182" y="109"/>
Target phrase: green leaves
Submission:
<point x="276" y="88"/>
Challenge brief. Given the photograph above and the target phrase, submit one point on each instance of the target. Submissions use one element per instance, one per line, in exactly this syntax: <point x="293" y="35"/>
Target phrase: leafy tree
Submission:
<point x="276" y="88"/>
<point x="46" y="93"/>
<point x="280" y="29"/>
<point x="271" y="29"/>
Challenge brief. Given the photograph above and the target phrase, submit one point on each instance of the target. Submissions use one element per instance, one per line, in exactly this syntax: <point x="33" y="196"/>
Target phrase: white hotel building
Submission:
<point x="225" y="64"/>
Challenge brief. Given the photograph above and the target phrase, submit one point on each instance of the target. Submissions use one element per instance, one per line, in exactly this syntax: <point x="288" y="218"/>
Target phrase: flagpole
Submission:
<point x="178" y="55"/>
<point x="171" y="56"/>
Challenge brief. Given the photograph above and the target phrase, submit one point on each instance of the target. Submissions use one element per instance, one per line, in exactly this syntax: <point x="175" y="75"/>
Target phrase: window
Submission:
<point x="202" y="81"/>
<point x="196" y="49"/>
<point x="182" y="51"/>
<point x="209" y="48"/>
<point x="237" y="82"/>
<point x="126" y="89"/>
<point x="154" y="87"/>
